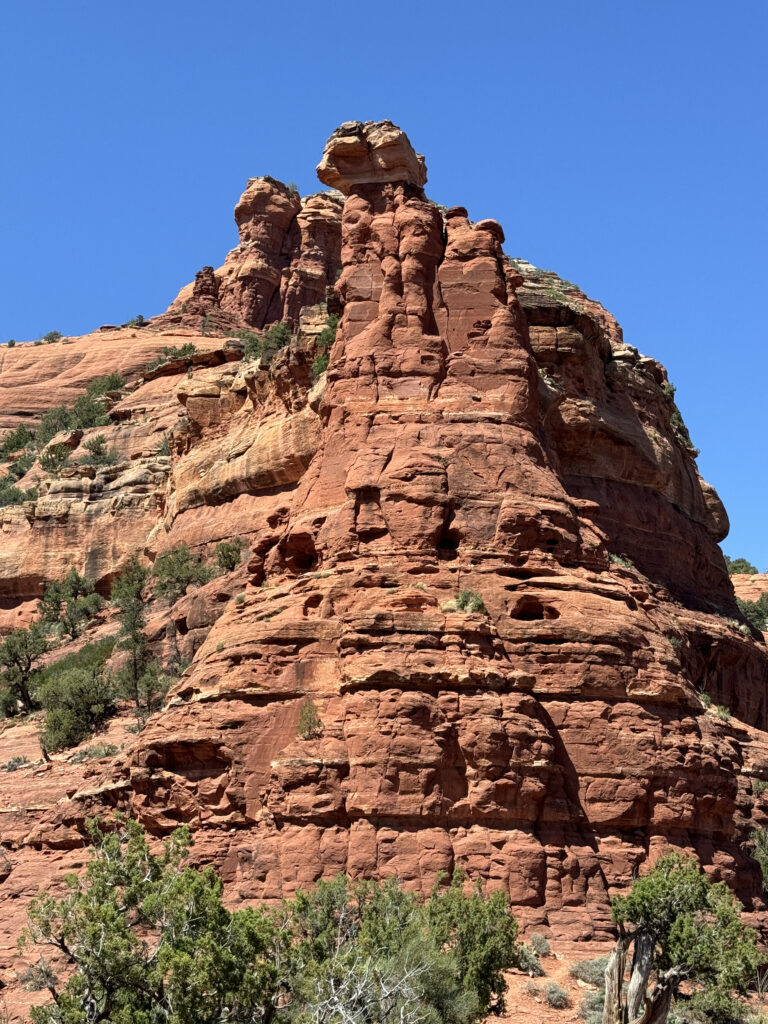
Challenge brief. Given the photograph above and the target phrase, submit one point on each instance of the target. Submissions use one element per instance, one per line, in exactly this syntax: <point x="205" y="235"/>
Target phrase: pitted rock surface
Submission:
<point x="482" y="427"/>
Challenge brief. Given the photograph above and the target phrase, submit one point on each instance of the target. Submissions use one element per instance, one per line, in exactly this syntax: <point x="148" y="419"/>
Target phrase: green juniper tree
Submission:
<point x="146" y="940"/>
<point x="70" y="603"/>
<point x="139" y="679"/>
<point x="20" y="654"/>
<point x="683" y="928"/>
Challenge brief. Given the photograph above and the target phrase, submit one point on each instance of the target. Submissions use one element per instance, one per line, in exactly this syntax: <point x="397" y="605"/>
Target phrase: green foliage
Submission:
<point x="706" y="700"/>
<point x="228" y="554"/>
<point x="556" y="996"/>
<point x="76" y="702"/>
<point x="310" y="727"/>
<point x="94" y="753"/>
<point x="176" y="570"/>
<point x="482" y="935"/>
<point x="324" y="341"/>
<point x="87" y="411"/>
<point x="694" y="930"/>
<point x="591" y="1008"/>
<point x="755" y="612"/>
<point x="528" y="961"/>
<point x="758" y="846"/>
<point x="257" y="345"/>
<point x="327" y="336"/>
<point x="723" y="713"/>
<point x="98" y="453"/>
<point x="540" y="945"/>
<point x="11" y="342"/>
<point x="590" y="971"/>
<point x="58" y="417"/>
<point x="12" y="495"/>
<point x="18" y="440"/>
<point x="52" y="336"/>
<point x="320" y="365"/>
<point x="737" y="566"/>
<point x="147" y="940"/>
<point x="102" y="385"/>
<point x="76" y="694"/>
<point x="15" y="763"/>
<point x="164" y="448"/>
<point x="21" y="465"/>
<point x="55" y="458"/>
<point x="137" y="321"/>
<point x="169" y="353"/>
<point x="70" y="603"/>
<point x="622" y="560"/>
<point x="759" y="786"/>
<point x="20" y="654"/>
<point x="139" y="680"/>
<point x="469" y="601"/>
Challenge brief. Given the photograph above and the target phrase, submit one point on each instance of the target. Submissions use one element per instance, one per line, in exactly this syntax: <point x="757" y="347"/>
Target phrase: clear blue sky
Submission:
<point x="621" y="143"/>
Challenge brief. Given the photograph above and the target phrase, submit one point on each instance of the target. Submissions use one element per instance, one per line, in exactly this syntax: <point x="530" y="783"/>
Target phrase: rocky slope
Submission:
<point x="482" y="427"/>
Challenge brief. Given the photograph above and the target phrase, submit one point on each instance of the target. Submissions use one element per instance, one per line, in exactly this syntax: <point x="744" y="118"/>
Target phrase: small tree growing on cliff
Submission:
<point x="20" y="655"/>
<point x="683" y="929"/>
<point x="70" y="603"/>
<point x="176" y="570"/>
<point x="139" y="679"/>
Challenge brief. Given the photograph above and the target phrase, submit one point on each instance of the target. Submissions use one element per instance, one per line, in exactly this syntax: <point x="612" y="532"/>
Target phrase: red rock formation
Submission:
<point x="287" y="257"/>
<point x="551" y="743"/>
<point x="481" y="428"/>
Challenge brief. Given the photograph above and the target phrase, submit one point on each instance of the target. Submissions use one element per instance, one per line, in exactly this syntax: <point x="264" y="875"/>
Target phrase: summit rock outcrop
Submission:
<point x="479" y="548"/>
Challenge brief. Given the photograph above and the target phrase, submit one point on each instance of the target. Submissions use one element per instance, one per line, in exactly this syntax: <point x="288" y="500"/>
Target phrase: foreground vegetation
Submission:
<point x="145" y="939"/>
<point x="148" y="940"/>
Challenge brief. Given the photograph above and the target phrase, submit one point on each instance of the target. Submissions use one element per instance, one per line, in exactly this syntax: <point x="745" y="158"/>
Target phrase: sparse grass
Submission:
<point x="622" y="560"/>
<point x="723" y="713"/>
<point x="94" y="753"/>
<point x="759" y="786"/>
<point x="706" y="700"/>
<point x="169" y="353"/>
<point x="15" y="763"/>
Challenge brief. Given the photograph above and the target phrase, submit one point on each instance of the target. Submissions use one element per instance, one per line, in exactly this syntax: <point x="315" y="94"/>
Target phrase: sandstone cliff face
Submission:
<point x="481" y="427"/>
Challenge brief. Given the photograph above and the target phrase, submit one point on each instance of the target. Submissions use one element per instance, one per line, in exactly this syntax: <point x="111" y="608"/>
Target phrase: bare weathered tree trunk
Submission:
<point x="642" y="964"/>
<point x="614" y="977"/>
<point x="657" y="1007"/>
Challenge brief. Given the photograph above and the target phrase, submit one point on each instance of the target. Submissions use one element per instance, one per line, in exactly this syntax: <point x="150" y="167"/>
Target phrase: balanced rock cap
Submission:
<point x="372" y="153"/>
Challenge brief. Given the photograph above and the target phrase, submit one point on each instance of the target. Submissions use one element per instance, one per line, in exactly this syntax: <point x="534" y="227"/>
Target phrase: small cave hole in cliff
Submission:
<point x="449" y="539"/>
<point x="530" y="608"/>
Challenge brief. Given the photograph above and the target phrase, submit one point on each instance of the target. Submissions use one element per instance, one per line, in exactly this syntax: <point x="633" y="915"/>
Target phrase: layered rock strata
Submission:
<point x="483" y="428"/>
<point x="478" y="545"/>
